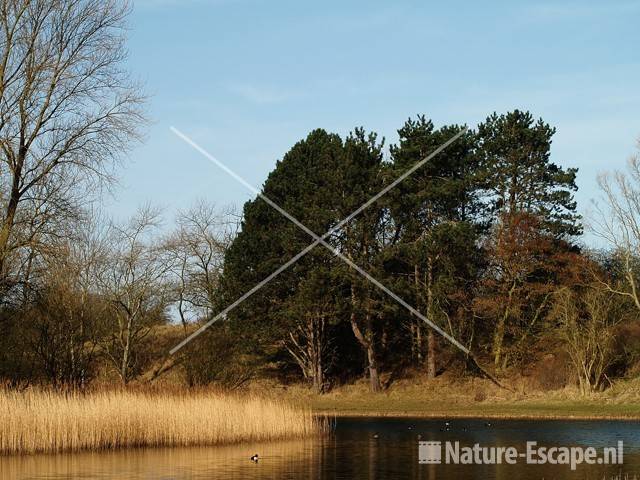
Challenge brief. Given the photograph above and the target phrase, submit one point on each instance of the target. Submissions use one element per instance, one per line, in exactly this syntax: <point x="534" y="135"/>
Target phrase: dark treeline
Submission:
<point x="483" y="240"/>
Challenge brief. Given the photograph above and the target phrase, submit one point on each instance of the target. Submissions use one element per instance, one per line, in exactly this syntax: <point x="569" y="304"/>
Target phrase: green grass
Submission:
<point x="384" y="406"/>
<point x="453" y="398"/>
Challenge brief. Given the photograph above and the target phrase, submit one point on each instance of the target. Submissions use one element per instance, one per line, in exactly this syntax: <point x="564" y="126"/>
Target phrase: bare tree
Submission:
<point x="587" y="322"/>
<point x="68" y="111"/>
<point x="196" y="252"/>
<point x="134" y="282"/>
<point x="198" y="247"/>
<point x="67" y="316"/>
<point x="311" y="312"/>
<point x="617" y="221"/>
<point x="307" y="344"/>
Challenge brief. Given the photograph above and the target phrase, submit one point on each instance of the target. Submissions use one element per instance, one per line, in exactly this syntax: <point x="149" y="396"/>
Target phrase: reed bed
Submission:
<point x="46" y="421"/>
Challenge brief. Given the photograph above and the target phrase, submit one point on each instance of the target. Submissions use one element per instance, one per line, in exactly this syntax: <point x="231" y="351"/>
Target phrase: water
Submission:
<point x="367" y="448"/>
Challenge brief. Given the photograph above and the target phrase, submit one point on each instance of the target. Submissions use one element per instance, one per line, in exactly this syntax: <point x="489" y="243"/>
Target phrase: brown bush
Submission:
<point x="552" y="372"/>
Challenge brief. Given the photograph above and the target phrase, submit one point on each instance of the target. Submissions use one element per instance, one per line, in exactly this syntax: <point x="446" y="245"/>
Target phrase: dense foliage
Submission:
<point x="482" y="240"/>
<point x="477" y="240"/>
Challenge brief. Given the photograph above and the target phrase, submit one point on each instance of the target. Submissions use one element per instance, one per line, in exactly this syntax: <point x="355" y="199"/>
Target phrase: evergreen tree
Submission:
<point x="304" y="184"/>
<point x="533" y="212"/>
<point x="362" y="240"/>
<point x="518" y="175"/>
<point x="433" y="212"/>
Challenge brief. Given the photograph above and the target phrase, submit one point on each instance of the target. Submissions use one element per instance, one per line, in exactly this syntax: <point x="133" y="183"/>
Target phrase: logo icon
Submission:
<point x="430" y="452"/>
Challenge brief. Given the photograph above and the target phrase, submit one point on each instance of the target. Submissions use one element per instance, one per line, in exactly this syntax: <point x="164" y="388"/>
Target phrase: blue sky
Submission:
<point x="248" y="78"/>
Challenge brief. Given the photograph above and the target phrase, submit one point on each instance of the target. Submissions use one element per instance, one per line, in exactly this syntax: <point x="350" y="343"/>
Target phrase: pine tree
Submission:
<point x="530" y="200"/>
<point x="518" y="175"/>
<point x="304" y="184"/>
<point x="362" y="240"/>
<point x="433" y="213"/>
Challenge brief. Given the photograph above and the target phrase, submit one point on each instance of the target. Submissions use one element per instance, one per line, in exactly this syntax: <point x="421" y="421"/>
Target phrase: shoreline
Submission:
<point x="444" y="398"/>
<point x="408" y="404"/>
<point x="476" y="415"/>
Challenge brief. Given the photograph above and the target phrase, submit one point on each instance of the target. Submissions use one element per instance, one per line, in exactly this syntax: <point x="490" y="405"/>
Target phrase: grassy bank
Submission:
<point x="43" y="421"/>
<point x="474" y="398"/>
<point x="444" y="409"/>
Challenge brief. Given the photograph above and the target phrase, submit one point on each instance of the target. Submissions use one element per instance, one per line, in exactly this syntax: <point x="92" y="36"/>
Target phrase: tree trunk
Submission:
<point x="431" y="354"/>
<point x="431" y="339"/>
<point x="306" y="346"/>
<point x="124" y="371"/>
<point x="126" y="350"/>
<point x="498" y="336"/>
<point x="366" y="340"/>
<point x="416" y="327"/>
<point x="318" y="378"/>
<point x="316" y="346"/>
<point x="10" y="213"/>
<point x="374" y="379"/>
<point x="5" y="235"/>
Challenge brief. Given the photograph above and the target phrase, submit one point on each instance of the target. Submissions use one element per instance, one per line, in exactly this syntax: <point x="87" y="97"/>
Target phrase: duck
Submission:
<point x="447" y="427"/>
<point x="255" y="458"/>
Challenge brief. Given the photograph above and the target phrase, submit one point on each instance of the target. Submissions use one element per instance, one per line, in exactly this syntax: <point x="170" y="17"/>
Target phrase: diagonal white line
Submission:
<point x="258" y="286"/>
<point x="319" y="240"/>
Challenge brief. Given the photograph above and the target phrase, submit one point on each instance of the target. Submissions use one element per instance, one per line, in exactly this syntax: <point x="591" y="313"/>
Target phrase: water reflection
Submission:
<point x="360" y="448"/>
<point x="227" y="462"/>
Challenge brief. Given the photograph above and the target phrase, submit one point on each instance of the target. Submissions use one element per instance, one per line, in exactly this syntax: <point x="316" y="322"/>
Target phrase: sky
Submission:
<point x="247" y="79"/>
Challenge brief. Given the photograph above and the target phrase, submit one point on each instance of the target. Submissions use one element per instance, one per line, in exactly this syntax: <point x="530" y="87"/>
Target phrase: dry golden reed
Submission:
<point x="45" y="421"/>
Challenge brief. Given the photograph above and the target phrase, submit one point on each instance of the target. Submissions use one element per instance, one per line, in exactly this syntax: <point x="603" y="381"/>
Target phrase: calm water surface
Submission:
<point x="367" y="448"/>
